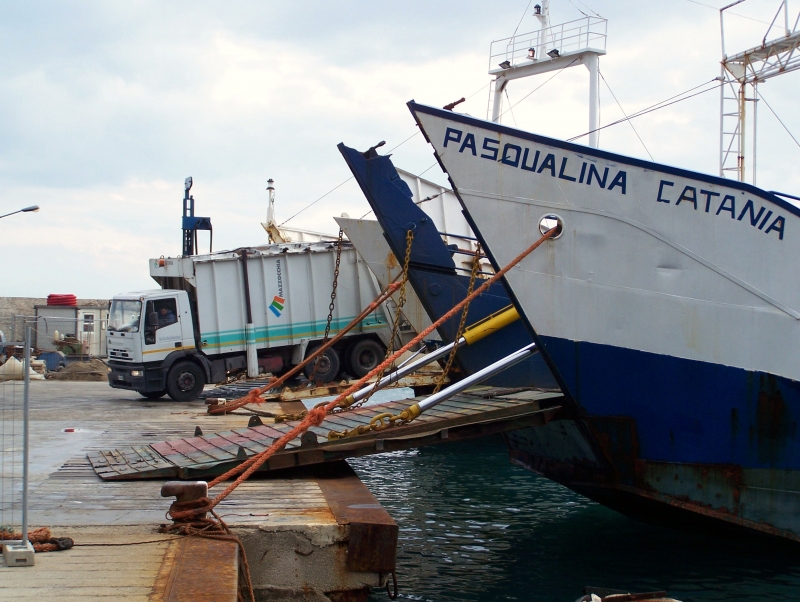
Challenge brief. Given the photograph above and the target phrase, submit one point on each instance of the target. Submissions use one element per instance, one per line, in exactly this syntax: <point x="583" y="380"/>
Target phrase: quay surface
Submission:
<point x="296" y="529"/>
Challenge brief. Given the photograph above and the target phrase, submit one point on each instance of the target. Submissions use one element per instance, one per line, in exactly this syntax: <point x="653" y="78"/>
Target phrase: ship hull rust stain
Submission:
<point x="715" y="497"/>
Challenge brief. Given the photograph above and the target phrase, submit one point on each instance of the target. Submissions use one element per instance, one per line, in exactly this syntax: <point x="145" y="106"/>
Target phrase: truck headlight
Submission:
<point x="136" y="372"/>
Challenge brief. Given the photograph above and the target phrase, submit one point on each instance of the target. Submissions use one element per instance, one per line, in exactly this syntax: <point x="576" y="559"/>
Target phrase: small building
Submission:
<point x="57" y="325"/>
<point x="80" y="328"/>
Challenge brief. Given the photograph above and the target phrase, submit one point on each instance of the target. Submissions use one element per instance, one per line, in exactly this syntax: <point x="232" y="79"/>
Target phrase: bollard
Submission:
<point x="185" y="491"/>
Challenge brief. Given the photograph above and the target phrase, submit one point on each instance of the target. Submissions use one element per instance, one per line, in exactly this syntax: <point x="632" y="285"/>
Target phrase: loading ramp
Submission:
<point x="477" y="412"/>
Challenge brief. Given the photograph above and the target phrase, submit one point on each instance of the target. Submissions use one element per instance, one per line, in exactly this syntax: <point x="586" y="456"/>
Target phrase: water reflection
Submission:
<point x="474" y="527"/>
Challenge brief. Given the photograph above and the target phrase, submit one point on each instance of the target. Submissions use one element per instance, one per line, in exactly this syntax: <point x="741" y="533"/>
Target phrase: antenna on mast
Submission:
<point x="551" y="48"/>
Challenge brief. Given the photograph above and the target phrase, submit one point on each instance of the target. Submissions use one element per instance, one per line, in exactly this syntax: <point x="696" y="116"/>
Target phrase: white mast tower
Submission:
<point x="551" y="48"/>
<point x="750" y="68"/>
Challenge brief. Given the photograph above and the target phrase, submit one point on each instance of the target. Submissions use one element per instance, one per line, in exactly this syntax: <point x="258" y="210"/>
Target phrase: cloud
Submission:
<point x="108" y="107"/>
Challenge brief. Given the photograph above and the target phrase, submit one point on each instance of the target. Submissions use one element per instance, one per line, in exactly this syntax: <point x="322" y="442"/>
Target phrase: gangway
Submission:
<point x="476" y="412"/>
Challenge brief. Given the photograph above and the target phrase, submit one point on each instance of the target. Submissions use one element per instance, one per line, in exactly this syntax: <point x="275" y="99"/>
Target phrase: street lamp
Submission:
<point x="31" y="209"/>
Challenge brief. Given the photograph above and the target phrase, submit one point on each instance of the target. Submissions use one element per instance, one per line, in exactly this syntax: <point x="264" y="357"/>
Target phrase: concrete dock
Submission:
<point x="310" y="535"/>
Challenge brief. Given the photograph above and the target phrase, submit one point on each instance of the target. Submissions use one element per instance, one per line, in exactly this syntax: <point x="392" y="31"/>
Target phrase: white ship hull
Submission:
<point x="668" y="304"/>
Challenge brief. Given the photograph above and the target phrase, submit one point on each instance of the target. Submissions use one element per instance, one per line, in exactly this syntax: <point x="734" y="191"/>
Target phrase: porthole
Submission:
<point x="550" y="221"/>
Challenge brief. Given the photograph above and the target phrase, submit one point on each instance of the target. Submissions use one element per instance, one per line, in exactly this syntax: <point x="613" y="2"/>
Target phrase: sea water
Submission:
<point x="475" y="527"/>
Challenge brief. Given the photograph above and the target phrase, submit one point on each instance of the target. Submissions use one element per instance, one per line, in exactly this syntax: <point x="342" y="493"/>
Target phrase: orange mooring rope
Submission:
<point x="316" y="416"/>
<point x="41" y="539"/>
<point x="254" y="395"/>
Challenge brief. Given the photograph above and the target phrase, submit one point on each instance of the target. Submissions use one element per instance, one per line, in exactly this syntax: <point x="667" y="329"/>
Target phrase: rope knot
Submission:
<point x="317" y="415"/>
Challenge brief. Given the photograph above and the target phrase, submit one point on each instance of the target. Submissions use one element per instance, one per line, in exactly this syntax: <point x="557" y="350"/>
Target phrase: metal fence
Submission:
<point x="14" y="395"/>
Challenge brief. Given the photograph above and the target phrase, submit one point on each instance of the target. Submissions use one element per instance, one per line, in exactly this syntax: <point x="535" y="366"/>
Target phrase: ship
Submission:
<point x="438" y="281"/>
<point x="666" y="302"/>
<point x="662" y="303"/>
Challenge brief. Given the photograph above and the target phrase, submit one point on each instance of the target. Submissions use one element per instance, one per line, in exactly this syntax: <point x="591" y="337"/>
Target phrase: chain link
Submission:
<point x="395" y="328"/>
<point x="333" y="302"/>
<point x="345" y="404"/>
<point x="384" y="420"/>
<point x="387" y="420"/>
<point x="475" y="266"/>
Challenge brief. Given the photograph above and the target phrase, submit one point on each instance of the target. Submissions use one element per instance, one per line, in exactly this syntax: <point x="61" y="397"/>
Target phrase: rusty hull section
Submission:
<point x="717" y="497"/>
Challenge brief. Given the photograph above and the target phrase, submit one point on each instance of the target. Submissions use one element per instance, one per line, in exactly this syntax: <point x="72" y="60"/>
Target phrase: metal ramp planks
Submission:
<point x="478" y="412"/>
<point x="128" y="462"/>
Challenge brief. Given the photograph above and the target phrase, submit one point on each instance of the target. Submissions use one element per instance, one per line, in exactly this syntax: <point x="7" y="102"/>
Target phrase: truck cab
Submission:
<point x="151" y="345"/>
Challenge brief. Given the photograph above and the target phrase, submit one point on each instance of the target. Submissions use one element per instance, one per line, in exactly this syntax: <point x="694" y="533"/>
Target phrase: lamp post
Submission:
<point x="32" y="208"/>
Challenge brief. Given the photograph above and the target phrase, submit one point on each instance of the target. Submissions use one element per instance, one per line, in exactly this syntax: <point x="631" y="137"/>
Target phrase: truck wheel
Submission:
<point x="153" y="394"/>
<point x="329" y="366"/>
<point x="185" y="381"/>
<point x="365" y="356"/>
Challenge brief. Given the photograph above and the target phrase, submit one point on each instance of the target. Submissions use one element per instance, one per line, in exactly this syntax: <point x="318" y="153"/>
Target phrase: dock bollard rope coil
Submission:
<point x="317" y="415"/>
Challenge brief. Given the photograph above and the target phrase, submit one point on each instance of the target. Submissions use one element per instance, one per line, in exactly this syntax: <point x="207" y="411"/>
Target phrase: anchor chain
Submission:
<point x="475" y="266"/>
<point x="348" y="403"/>
<point x="332" y="304"/>
<point x="387" y="420"/>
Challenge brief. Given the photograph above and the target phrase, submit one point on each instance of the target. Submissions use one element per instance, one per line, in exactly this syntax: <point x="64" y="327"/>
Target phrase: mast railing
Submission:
<point x="572" y="36"/>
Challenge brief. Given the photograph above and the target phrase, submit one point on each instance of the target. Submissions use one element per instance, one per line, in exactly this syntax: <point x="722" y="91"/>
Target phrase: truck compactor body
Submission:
<point x="262" y="309"/>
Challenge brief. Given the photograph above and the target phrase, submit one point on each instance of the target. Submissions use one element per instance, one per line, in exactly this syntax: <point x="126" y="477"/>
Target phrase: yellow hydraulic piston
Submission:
<point x="481" y="329"/>
<point x="490" y="324"/>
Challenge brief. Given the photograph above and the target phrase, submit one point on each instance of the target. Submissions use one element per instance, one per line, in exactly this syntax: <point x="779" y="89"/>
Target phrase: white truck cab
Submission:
<point x="150" y="338"/>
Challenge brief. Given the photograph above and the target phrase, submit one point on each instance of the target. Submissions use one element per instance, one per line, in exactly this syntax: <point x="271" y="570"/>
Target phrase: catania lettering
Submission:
<point x="523" y="158"/>
<point x="713" y="202"/>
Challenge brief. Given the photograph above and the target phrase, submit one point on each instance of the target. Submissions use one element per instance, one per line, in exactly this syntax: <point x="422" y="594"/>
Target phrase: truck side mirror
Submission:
<point x="152" y="320"/>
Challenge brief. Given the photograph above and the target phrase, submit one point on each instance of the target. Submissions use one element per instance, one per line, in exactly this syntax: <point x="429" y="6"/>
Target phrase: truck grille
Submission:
<point x="119" y="354"/>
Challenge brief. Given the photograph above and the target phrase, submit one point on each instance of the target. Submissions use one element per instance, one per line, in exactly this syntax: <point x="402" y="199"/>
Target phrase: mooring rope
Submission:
<point x="41" y="539"/>
<point x="315" y="417"/>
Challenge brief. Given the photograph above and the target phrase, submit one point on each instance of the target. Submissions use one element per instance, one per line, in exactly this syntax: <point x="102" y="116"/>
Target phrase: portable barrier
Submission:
<point x="14" y="396"/>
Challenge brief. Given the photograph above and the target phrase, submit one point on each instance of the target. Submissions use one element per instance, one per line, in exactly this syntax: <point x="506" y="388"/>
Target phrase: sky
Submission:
<point x="106" y="107"/>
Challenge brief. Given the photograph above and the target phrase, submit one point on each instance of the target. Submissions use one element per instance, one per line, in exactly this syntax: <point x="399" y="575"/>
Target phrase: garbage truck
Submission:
<point x="259" y="309"/>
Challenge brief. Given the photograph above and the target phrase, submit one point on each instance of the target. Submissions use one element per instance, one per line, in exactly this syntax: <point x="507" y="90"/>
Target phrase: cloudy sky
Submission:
<point x="105" y="108"/>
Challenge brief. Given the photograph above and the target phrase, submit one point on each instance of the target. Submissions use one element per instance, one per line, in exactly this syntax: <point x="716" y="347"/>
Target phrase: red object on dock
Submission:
<point x="54" y="299"/>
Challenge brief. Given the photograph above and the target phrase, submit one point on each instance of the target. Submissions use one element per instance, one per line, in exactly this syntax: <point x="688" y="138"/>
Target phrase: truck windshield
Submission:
<point x="124" y="315"/>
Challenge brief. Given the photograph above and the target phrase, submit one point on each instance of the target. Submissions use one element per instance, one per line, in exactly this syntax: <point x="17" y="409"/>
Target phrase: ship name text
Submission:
<point x="514" y="155"/>
<point x="714" y="202"/>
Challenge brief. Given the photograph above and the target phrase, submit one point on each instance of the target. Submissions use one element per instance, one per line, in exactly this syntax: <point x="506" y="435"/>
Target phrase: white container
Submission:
<point x="290" y="288"/>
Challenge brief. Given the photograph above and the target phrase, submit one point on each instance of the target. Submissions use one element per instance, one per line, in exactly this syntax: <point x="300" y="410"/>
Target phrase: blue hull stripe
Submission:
<point x="686" y="411"/>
